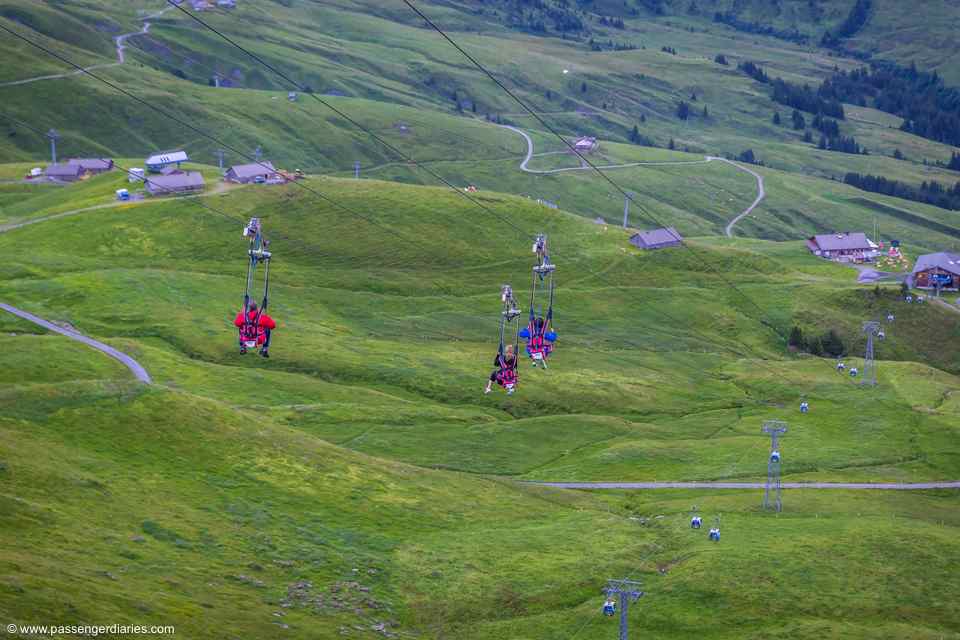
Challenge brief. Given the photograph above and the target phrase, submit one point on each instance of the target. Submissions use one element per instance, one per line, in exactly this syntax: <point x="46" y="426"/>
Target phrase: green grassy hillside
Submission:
<point x="359" y="477"/>
<point x="359" y="483"/>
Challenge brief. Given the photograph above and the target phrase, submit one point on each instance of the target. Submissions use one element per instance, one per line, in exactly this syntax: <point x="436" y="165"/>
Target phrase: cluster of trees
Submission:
<point x="829" y="343"/>
<point x="804" y="98"/>
<point x="799" y="122"/>
<point x="721" y="59"/>
<point x="670" y="50"/>
<point x="749" y="157"/>
<point x="610" y="45"/>
<point x="841" y="144"/>
<point x="929" y="192"/>
<point x="826" y="126"/>
<point x="638" y="138"/>
<point x="616" y="23"/>
<point x="800" y="97"/>
<point x="538" y="16"/>
<point x="754" y="71"/>
<point x="928" y="107"/>
<point x="954" y="164"/>
<point x="855" y="20"/>
<point x="731" y="20"/>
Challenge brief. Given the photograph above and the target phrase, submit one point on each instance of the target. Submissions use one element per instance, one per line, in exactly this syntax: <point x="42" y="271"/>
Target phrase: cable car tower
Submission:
<point x="774" y="428"/>
<point x="627" y="591"/>
<point x="872" y="329"/>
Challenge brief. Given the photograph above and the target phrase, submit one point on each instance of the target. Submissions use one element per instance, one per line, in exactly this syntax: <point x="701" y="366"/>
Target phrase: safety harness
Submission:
<point x="537" y="346"/>
<point x="506" y="371"/>
<point x="250" y="330"/>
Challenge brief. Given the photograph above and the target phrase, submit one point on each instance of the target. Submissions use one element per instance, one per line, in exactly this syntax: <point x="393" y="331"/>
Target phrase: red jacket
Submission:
<point x="266" y="322"/>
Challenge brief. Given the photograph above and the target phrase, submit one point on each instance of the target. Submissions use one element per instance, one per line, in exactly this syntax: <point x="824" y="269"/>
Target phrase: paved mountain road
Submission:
<point x="134" y="366"/>
<point x="856" y="486"/>
<point x="761" y="191"/>
<point x="120" y="42"/>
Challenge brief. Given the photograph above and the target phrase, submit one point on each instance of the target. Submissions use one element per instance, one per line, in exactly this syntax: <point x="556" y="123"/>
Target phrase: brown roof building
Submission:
<point x="246" y="173"/>
<point x="186" y="182"/>
<point x="63" y="172"/>
<point x="657" y="239"/>
<point x="937" y="271"/>
<point x="92" y="165"/>
<point x="843" y="247"/>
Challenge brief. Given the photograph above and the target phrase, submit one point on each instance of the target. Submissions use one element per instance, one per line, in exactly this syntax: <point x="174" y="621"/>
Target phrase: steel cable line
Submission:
<point x="308" y="250"/>
<point x="202" y="133"/>
<point x="348" y="118"/>
<point x="763" y="319"/>
<point x="583" y="158"/>
<point x="656" y="547"/>
<point x="243" y="154"/>
<point x="392" y="147"/>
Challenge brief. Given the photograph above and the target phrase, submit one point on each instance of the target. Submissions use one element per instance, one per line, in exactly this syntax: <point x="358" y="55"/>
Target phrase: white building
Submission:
<point x="157" y="162"/>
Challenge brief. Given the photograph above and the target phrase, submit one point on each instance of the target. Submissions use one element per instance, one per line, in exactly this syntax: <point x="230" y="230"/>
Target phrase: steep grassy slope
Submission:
<point x="213" y="501"/>
<point x="383" y="55"/>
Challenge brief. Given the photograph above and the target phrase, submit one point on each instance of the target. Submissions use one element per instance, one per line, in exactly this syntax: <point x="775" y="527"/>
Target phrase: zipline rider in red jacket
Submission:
<point x="255" y="328"/>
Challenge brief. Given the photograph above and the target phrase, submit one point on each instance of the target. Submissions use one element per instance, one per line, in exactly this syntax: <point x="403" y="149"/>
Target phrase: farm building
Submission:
<point x="844" y="247"/>
<point x="63" y="172"/>
<point x="585" y="144"/>
<point x="937" y="270"/>
<point x="176" y="183"/>
<point x="92" y="165"/>
<point x="158" y="161"/>
<point x="657" y="239"/>
<point x="247" y="173"/>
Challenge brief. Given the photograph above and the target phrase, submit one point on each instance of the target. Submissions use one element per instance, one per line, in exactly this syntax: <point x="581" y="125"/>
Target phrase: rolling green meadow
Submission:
<point x="363" y="454"/>
<point x="358" y="483"/>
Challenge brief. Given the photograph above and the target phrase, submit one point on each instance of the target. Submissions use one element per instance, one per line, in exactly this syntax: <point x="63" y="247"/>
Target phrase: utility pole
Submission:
<point x="257" y="152"/>
<point x="774" y="428"/>
<point x="870" y="328"/>
<point x="627" y="591"/>
<point x="219" y="153"/>
<point x="356" y="169"/>
<point x="626" y="207"/>
<point x="53" y="135"/>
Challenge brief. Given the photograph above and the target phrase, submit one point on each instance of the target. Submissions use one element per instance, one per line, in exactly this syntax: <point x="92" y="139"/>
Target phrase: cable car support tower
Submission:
<point x="627" y="591"/>
<point x="872" y="329"/>
<point x="774" y="428"/>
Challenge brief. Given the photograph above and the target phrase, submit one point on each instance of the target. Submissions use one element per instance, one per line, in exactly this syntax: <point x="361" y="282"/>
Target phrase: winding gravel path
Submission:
<point x="123" y="358"/>
<point x="761" y="194"/>
<point x="10" y="226"/>
<point x="889" y="486"/>
<point x="119" y="41"/>
<point x="543" y="172"/>
<point x="761" y="191"/>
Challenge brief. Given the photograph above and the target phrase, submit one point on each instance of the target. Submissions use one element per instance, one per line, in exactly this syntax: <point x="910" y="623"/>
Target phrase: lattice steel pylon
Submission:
<point x="774" y="428"/>
<point x="627" y="591"/>
<point x="869" y="378"/>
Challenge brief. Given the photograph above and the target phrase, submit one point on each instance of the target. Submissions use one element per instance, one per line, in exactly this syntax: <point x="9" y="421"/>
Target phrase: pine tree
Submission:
<point x="706" y="114"/>
<point x="832" y="344"/>
<point x="672" y="145"/>
<point x="796" y="337"/>
<point x="776" y="117"/>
